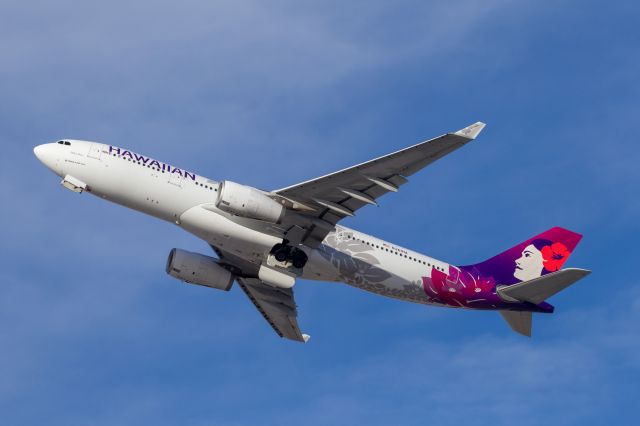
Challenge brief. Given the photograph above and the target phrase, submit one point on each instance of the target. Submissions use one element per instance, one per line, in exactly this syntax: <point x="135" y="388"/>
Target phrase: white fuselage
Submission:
<point x="188" y="200"/>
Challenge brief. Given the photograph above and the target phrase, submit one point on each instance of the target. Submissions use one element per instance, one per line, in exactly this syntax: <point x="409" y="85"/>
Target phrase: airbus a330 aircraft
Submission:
<point x="264" y="240"/>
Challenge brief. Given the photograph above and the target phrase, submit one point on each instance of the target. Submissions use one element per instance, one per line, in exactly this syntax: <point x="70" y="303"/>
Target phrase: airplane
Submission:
<point x="265" y="240"/>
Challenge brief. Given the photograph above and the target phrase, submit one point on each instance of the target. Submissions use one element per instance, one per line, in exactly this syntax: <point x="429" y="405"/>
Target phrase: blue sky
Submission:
<point x="92" y="331"/>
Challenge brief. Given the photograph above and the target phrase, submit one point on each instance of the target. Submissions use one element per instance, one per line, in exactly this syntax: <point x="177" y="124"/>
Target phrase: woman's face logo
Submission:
<point x="530" y="264"/>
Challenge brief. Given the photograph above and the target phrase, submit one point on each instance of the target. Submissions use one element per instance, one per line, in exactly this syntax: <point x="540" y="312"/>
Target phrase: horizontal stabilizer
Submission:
<point x="520" y="322"/>
<point x="539" y="289"/>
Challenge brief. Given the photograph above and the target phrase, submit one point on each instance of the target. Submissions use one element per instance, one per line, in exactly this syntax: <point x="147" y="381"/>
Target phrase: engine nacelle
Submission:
<point x="195" y="268"/>
<point x="248" y="202"/>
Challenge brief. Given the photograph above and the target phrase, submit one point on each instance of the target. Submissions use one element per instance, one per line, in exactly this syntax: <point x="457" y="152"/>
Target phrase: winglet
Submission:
<point x="306" y="338"/>
<point x="472" y="131"/>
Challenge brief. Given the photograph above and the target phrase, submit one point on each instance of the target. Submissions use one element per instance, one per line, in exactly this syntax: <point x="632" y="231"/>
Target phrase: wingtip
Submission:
<point x="472" y="131"/>
<point x="306" y="338"/>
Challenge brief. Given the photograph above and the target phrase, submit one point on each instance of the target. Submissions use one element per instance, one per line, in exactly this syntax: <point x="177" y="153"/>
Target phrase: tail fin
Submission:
<point x="520" y="273"/>
<point x="530" y="259"/>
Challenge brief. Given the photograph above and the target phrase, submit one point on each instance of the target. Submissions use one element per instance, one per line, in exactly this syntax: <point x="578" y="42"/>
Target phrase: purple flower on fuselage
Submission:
<point x="457" y="288"/>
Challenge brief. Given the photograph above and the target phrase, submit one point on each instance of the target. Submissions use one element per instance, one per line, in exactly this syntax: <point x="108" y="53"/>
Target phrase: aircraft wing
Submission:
<point x="320" y="203"/>
<point x="276" y="305"/>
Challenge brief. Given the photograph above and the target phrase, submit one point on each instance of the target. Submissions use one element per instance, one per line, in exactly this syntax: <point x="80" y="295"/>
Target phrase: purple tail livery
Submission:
<point x="530" y="259"/>
<point x="516" y="282"/>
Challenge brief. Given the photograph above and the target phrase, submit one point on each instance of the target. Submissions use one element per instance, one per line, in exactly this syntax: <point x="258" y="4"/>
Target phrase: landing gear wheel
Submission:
<point x="299" y="259"/>
<point x="284" y="252"/>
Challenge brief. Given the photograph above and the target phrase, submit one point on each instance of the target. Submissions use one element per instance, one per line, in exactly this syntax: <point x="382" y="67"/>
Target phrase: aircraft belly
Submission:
<point x="224" y="233"/>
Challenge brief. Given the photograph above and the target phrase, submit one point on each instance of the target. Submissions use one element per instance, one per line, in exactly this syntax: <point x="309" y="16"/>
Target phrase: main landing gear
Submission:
<point x="283" y="252"/>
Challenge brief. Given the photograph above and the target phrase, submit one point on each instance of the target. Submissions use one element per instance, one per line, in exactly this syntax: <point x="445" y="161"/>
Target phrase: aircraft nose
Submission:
<point x="39" y="152"/>
<point x="47" y="155"/>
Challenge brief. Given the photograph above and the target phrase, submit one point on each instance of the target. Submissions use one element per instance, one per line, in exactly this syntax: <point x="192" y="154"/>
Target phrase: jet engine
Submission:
<point x="248" y="202"/>
<point x="195" y="268"/>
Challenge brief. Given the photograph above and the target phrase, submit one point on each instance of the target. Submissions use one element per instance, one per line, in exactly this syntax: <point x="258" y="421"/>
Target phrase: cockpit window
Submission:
<point x="64" y="143"/>
<point x="60" y="142"/>
<point x="67" y="143"/>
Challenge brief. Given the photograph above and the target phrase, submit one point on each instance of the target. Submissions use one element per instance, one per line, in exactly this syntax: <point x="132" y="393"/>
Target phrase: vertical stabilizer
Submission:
<point x="533" y="258"/>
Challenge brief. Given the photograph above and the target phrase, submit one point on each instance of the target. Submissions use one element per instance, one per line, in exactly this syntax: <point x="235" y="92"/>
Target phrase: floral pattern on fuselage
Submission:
<point x="458" y="288"/>
<point x="357" y="265"/>
<point x="352" y="259"/>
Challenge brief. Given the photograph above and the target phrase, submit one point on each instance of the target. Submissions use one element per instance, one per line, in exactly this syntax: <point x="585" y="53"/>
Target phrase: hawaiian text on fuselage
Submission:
<point x="146" y="161"/>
